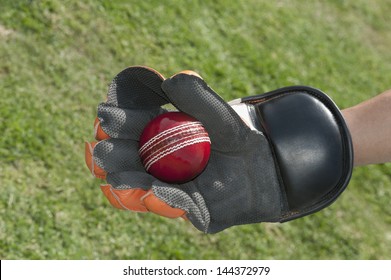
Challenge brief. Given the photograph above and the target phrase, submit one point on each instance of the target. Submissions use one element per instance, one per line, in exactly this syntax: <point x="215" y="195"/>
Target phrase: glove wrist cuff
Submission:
<point x="311" y="146"/>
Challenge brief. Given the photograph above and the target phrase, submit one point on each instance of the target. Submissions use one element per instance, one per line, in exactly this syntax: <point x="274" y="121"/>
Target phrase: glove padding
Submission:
<point x="247" y="177"/>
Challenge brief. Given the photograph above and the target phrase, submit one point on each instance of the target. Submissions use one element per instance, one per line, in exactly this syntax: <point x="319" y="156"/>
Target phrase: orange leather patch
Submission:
<point x="161" y="208"/>
<point x="99" y="133"/>
<point x="129" y="199"/>
<point x="190" y="73"/>
<point x="95" y="169"/>
<point x="106" y="189"/>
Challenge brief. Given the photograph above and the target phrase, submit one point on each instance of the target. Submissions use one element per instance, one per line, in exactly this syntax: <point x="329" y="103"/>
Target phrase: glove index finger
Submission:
<point x="190" y="94"/>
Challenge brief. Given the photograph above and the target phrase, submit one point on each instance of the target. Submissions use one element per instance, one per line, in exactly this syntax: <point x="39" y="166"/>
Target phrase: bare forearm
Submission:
<point x="370" y="126"/>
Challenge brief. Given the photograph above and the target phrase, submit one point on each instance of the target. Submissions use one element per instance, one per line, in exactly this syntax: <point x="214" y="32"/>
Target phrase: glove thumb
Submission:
<point x="190" y="94"/>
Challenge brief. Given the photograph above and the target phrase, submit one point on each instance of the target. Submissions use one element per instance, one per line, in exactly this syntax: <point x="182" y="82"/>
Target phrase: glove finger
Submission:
<point x="116" y="155"/>
<point x="115" y="122"/>
<point x="190" y="94"/>
<point x="126" y="190"/>
<point x="126" y="199"/>
<point x="159" y="207"/>
<point x="186" y="197"/>
<point x="89" y="159"/>
<point x="99" y="133"/>
<point x="131" y="190"/>
<point x="135" y="88"/>
<point x="130" y="180"/>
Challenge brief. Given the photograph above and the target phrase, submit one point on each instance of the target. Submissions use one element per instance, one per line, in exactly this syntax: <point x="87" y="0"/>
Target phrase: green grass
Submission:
<point x="57" y="58"/>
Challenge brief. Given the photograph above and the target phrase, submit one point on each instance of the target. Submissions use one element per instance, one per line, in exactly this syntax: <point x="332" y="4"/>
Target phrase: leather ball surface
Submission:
<point x="174" y="147"/>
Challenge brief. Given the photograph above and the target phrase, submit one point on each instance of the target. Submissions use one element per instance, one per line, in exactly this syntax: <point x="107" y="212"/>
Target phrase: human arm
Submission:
<point x="369" y="124"/>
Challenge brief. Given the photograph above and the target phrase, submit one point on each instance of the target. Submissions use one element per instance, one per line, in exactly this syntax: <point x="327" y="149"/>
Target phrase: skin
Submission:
<point x="370" y="126"/>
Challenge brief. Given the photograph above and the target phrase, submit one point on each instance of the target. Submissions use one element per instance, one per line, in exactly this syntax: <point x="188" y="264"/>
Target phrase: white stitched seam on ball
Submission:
<point x="172" y="149"/>
<point x="174" y="131"/>
<point x="162" y="134"/>
<point x="172" y="140"/>
<point x="155" y="149"/>
<point x="193" y="131"/>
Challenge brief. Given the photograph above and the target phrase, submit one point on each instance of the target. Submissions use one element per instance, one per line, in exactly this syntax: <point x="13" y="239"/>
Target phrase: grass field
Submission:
<point x="57" y="58"/>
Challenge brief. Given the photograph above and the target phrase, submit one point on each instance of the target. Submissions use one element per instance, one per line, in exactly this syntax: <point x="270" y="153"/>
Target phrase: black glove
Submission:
<point x="275" y="157"/>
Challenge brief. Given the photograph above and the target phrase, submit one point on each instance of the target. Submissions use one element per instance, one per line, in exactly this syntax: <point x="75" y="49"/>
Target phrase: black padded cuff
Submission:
<point x="311" y="145"/>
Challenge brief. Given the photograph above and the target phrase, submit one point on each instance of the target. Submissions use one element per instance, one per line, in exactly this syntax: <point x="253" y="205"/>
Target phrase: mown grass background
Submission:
<point x="57" y="58"/>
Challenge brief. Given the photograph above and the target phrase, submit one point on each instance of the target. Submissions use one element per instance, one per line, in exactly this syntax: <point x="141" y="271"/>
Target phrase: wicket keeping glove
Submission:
<point x="275" y="157"/>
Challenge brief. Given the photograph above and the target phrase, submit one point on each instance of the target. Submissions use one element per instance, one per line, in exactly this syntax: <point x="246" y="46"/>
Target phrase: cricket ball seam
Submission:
<point x="171" y="149"/>
<point x="153" y="150"/>
<point x="172" y="139"/>
<point x="177" y="130"/>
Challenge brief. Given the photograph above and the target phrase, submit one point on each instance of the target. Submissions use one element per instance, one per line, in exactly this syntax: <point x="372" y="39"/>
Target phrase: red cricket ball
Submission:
<point x="174" y="147"/>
